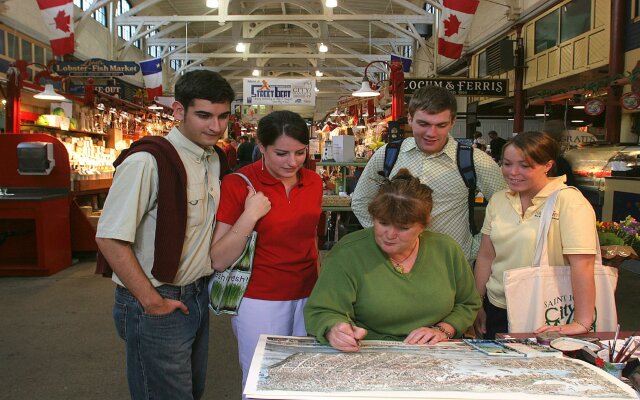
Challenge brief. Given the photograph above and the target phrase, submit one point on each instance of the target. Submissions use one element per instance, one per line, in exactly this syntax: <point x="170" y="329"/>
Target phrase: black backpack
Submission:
<point x="464" y="160"/>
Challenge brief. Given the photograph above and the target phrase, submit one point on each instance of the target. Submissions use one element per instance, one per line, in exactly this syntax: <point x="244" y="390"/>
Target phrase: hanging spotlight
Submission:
<point x="361" y="123"/>
<point x="365" y="90"/>
<point x="319" y="73"/>
<point x="323" y="48"/>
<point x="335" y="113"/>
<point x="256" y="72"/>
<point x="212" y="3"/>
<point x="49" y="94"/>
<point x="240" y="47"/>
<point x="331" y="3"/>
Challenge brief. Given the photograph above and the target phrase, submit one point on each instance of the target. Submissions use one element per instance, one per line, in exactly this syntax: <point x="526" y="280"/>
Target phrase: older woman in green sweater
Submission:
<point x="394" y="281"/>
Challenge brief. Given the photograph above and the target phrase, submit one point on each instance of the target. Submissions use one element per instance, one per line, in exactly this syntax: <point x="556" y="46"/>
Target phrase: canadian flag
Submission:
<point x="58" y="16"/>
<point x="455" y="22"/>
<point x="152" y="75"/>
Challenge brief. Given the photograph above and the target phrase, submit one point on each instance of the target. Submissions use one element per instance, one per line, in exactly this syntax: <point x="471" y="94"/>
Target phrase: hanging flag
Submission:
<point x="58" y="17"/>
<point x="152" y="75"/>
<point x="455" y="22"/>
<point x="406" y="62"/>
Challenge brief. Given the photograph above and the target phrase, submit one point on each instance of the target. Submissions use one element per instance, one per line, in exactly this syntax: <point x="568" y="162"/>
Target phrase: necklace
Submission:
<point x="397" y="265"/>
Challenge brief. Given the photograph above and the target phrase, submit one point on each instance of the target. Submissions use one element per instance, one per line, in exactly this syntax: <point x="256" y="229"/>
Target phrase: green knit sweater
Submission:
<point x="358" y="280"/>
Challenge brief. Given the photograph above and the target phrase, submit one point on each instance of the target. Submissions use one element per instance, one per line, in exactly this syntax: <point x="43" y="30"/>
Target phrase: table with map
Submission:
<point x="301" y="368"/>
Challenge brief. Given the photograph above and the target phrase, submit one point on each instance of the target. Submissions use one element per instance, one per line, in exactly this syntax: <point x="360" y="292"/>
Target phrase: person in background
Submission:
<point x="395" y="281"/>
<point x="230" y="152"/>
<point x="285" y="212"/>
<point x="496" y="145"/>
<point x="555" y="128"/>
<point x="245" y="149"/>
<point x="510" y="229"/>
<point x="478" y="142"/>
<point x="256" y="154"/>
<point x="431" y="156"/>
<point x="155" y="232"/>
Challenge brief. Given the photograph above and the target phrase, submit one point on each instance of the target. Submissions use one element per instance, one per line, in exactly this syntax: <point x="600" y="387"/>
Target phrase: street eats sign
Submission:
<point x="276" y="91"/>
<point x="461" y="87"/>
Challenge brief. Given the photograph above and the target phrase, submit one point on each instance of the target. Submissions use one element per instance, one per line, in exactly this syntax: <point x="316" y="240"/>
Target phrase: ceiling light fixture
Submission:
<point x="323" y="48"/>
<point x="256" y="72"/>
<point x="154" y="106"/>
<point x="49" y="94"/>
<point x="212" y="3"/>
<point x="577" y="121"/>
<point x="335" y="113"/>
<point x="331" y="3"/>
<point x="365" y="90"/>
<point x="319" y="73"/>
<point x="240" y="47"/>
<point x="578" y="107"/>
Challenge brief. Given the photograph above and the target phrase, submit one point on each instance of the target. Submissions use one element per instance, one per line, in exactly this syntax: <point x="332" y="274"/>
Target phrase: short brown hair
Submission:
<point x="538" y="147"/>
<point x="433" y="100"/>
<point x="403" y="200"/>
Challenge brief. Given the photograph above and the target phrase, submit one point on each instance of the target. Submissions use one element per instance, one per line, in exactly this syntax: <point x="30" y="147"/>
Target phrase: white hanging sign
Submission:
<point x="276" y="91"/>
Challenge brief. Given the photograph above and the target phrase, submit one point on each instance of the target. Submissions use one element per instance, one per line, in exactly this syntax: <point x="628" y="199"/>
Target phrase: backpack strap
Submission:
<point x="464" y="159"/>
<point x="390" y="157"/>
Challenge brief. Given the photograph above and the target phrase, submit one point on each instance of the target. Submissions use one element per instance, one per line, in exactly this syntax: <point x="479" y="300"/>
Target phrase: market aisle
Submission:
<point x="58" y="341"/>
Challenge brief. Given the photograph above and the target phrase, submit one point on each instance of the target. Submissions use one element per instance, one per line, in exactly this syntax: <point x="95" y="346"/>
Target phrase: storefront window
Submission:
<point x="482" y="65"/>
<point x="575" y="19"/>
<point x="26" y="51"/>
<point x="12" y="46"/>
<point x="546" y="32"/>
<point x="38" y="54"/>
<point x="2" y="47"/>
<point x="636" y="9"/>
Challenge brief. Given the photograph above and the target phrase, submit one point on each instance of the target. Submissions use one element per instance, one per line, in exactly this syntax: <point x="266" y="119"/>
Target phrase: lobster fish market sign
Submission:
<point x="462" y="87"/>
<point x="95" y="67"/>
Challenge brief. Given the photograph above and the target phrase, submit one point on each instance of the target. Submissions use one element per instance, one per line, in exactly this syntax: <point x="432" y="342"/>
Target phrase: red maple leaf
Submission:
<point x="62" y="21"/>
<point x="451" y="25"/>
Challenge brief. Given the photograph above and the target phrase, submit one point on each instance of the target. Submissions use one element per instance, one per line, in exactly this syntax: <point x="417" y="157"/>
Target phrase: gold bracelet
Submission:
<point x="583" y="325"/>
<point x="240" y="234"/>
<point x="441" y="329"/>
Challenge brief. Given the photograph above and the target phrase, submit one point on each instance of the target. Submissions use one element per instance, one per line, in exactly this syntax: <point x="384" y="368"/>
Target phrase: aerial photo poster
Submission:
<point x="286" y="367"/>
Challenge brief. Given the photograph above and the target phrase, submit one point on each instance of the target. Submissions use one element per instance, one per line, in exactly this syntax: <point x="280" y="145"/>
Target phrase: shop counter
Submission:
<point x="34" y="233"/>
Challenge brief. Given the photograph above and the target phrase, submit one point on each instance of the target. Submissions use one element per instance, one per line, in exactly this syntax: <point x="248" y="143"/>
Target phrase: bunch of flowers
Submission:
<point x="623" y="233"/>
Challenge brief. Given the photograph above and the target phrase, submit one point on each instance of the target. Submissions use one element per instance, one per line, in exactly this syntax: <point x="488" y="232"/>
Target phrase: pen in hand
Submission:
<point x="353" y="327"/>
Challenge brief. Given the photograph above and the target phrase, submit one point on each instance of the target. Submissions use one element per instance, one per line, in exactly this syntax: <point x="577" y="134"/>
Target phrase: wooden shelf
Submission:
<point x="90" y="185"/>
<point x="30" y="128"/>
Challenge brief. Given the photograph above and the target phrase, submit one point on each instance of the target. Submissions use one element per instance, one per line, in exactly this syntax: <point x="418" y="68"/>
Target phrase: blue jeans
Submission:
<point x="166" y="354"/>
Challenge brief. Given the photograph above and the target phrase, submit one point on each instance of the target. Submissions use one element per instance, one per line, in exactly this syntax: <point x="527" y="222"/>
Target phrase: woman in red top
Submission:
<point x="284" y="210"/>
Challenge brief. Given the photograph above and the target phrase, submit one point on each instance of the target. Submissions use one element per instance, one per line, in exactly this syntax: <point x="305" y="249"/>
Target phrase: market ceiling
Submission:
<point x="282" y="38"/>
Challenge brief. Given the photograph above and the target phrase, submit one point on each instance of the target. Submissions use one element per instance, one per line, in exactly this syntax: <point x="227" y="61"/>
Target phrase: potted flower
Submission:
<point x="619" y="241"/>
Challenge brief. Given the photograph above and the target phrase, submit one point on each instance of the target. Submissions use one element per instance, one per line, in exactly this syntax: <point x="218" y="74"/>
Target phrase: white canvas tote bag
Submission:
<point x="542" y="295"/>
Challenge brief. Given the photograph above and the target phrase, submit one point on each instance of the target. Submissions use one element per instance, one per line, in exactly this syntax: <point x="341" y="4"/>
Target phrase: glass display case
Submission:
<point x="592" y="164"/>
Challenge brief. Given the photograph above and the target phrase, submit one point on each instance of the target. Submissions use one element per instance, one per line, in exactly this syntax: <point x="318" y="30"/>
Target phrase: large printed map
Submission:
<point x="301" y="368"/>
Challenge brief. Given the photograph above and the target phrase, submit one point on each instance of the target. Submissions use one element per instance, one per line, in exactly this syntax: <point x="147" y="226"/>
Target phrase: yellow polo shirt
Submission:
<point x="572" y="231"/>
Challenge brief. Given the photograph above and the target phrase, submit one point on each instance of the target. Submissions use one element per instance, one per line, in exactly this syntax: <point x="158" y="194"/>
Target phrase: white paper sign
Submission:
<point x="275" y="91"/>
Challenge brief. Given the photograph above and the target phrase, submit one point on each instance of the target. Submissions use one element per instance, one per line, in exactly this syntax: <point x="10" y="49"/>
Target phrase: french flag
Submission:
<point x="152" y="75"/>
<point x="58" y="17"/>
<point x="455" y="22"/>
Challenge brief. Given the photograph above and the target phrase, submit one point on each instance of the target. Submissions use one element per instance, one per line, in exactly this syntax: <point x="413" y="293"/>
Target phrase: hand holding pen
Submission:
<point x="346" y="336"/>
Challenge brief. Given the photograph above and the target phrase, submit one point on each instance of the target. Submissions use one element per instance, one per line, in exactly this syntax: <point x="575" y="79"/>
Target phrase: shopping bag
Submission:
<point x="542" y="294"/>
<point x="227" y="288"/>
